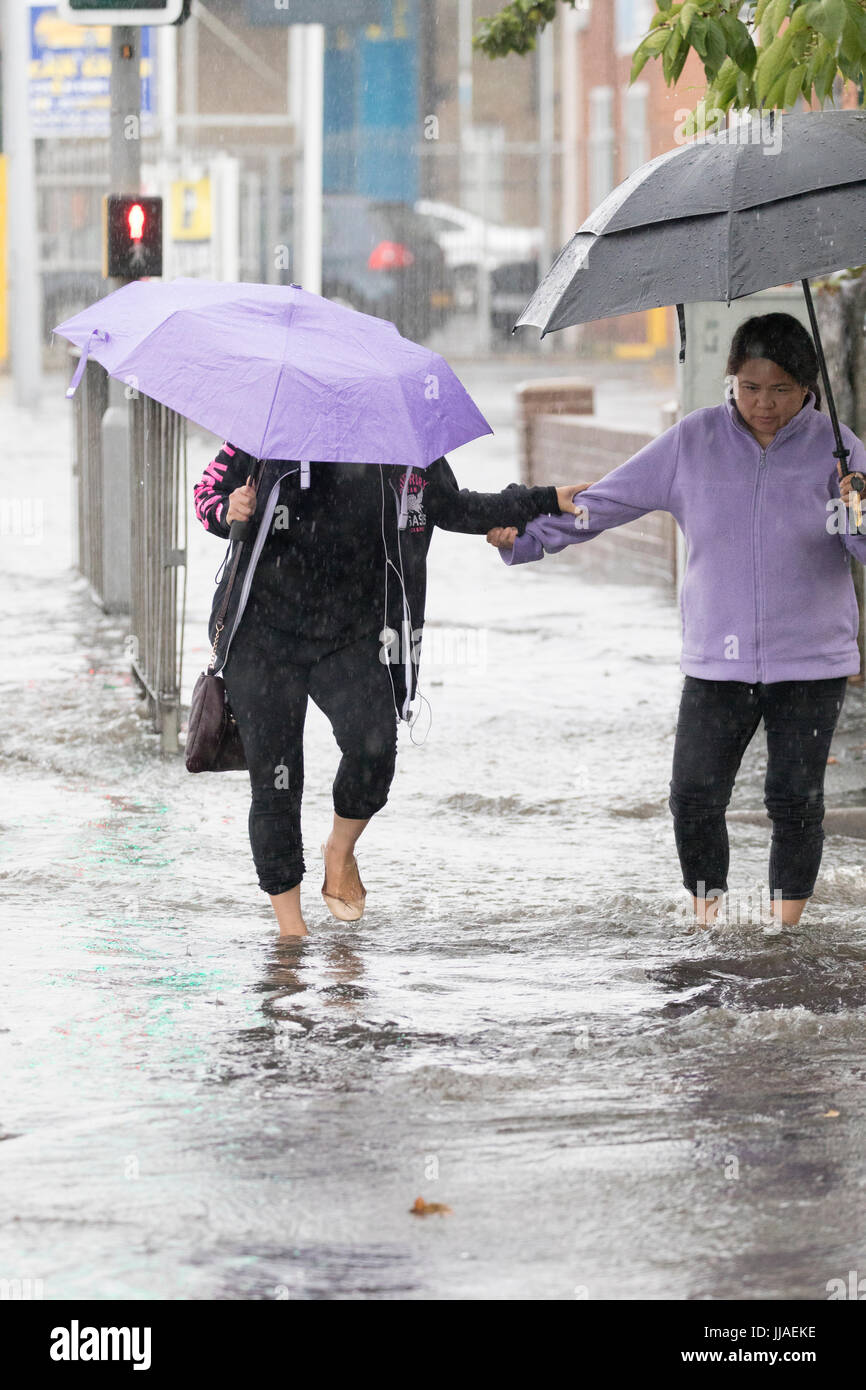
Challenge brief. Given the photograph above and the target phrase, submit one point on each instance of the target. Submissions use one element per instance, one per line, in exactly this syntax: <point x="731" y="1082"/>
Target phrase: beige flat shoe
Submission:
<point x="344" y="909"/>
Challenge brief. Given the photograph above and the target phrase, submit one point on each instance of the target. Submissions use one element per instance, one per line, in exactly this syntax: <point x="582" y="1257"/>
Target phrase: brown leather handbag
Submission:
<point x="213" y="740"/>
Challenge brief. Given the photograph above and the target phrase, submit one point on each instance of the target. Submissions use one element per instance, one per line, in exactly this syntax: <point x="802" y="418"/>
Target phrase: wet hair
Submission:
<point x="782" y="339"/>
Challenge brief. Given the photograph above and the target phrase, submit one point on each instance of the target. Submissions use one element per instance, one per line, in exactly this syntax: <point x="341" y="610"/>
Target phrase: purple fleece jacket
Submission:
<point x="767" y="593"/>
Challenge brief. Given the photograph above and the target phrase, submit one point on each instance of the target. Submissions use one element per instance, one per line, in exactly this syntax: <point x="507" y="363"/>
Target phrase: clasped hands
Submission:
<point x="503" y="537"/>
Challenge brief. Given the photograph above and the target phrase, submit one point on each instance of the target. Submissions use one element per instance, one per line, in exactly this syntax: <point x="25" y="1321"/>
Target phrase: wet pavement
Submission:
<point x="522" y="1027"/>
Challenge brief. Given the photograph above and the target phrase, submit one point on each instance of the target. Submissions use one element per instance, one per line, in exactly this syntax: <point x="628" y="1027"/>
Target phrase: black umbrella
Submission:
<point x="776" y="199"/>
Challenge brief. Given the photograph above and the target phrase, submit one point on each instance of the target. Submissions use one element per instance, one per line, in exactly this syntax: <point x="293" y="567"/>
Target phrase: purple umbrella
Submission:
<point x="280" y="372"/>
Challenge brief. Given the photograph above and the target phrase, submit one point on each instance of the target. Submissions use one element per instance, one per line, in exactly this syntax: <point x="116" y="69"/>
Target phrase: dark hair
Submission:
<point x="782" y="339"/>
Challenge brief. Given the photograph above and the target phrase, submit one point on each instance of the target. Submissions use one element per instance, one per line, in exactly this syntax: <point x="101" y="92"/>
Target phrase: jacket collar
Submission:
<point x="799" y="420"/>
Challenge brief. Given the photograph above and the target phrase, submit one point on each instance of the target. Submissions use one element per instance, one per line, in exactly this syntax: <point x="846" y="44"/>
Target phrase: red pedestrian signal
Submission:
<point x="135" y="218"/>
<point x="132" y="237"/>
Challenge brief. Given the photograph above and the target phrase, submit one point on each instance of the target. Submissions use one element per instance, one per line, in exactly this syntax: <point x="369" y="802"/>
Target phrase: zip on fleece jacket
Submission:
<point x="767" y="593"/>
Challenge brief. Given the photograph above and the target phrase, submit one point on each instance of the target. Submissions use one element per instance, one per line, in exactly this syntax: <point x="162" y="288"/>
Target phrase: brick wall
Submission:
<point x="582" y="449"/>
<point x="547" y="396"/>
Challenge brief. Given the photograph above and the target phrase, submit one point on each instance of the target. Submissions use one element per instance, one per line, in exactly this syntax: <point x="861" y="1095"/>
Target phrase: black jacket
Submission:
<point x="433" y="499"/>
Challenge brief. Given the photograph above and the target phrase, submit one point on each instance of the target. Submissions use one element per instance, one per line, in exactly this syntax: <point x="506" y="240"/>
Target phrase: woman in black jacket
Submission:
<point x="331" y="588"/>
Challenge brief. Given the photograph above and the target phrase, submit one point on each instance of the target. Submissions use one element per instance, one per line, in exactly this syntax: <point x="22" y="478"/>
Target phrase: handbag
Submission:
<point x="213" y="740"/>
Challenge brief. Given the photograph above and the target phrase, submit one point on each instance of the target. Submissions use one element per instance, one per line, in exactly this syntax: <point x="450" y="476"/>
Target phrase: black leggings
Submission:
<point x="269" y="678"/>
<point x="716" y="722"/>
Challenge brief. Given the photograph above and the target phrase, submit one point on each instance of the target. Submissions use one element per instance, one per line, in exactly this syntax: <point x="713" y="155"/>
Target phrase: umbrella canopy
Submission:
<point x="715" y="220"/>
<point x="280" y="372"/>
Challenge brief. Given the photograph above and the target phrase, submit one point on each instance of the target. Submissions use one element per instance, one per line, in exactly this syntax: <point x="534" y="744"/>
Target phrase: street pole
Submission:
<point x="313" y="119"/>
<point x="25" y="298"/>
<point x="464" y="91"/>
<point x="573" y="23"/>
<point x="546" y="94"/>
<point x="167" y="89"/>
<point x="125" y="150"/>
<point x="124" y="177"/>
<point x="307" y="109"/>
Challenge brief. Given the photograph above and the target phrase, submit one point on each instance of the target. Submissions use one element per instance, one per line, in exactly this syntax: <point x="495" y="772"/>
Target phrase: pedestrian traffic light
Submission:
<point x="133" y="12"/>
<point x="131" y="236"/>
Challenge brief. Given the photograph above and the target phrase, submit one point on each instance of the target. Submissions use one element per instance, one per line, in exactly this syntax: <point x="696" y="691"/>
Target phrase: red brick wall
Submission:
<point x="582" y="449"/>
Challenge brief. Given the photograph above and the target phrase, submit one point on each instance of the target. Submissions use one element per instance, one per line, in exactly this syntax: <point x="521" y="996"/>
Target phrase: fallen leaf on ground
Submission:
<point x="422" y="1208"/>
<point x="832" y="760"/>
<point x="829" y="1114"/>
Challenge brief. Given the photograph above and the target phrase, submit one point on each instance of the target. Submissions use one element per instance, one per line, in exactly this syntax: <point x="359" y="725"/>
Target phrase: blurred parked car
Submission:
<point x="383" y="259"/>
<point x="511" y="288"/>
<point x="471" y="244"/>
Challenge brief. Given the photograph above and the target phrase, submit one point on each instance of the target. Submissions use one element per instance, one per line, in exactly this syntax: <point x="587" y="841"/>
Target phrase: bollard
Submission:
<point x="116" y="587"/>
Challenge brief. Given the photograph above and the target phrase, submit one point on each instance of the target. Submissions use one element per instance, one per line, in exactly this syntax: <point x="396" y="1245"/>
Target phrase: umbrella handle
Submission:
<point x="240" y="530"/>
<point x="840" y="453"/>
<point x="855" y="504"/>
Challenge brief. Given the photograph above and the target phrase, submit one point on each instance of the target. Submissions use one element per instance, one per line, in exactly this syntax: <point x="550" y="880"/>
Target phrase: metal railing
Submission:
<point x="158" y="539"/>
<point x="157" y="465"/>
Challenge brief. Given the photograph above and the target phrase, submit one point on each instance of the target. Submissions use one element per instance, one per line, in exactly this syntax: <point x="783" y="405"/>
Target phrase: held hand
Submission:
<point x="565" y="494"/>
<point x="242" y="503"/>
<point x="846" y="491"/>
<point x="503" y="537"/>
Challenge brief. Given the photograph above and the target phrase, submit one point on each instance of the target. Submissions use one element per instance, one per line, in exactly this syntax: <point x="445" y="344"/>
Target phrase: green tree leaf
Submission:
<point x="687" y="14"/>
<point x="650" y="47"/>
<point x="671" y="53"/>
<point x="716" y="47"/>
<point x="739" y="42"/>
<point x="793" y="85"/>
<point x="698" y="35"/>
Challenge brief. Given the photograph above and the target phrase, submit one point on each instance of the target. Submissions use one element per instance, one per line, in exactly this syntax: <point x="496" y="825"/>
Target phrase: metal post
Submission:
<point x="124" y="177"/>
<point x="464" y="90"/>
<point x="314" y="85"/>
<point x="573" y="21"/>
<point x="483" y="324"/>
<point x="296" y="111"/>
<point x="546" y="97"/>
<point x="272" y="214"/>
<point x="125" y="152"/>
<point x="25" y="316"/>
<point x="167" y="89"/>
<point x="189" y="72"/>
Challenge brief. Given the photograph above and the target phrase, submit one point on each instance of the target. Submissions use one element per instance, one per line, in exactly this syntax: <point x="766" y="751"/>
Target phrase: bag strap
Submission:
<point x="223" y="609"/>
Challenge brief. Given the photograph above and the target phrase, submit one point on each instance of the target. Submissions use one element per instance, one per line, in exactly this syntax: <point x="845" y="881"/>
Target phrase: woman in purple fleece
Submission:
<point x="768" y="605"/>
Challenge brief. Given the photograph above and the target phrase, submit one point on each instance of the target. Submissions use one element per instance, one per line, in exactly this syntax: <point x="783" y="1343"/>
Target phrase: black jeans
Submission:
<point x="269" y="677"/>
<point x="716" y="722"/>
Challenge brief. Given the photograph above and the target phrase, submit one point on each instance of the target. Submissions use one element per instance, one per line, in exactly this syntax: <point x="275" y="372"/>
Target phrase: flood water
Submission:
<point x="521" y="1028"/>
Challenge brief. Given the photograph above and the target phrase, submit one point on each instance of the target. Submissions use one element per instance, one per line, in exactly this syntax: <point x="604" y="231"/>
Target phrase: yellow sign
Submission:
<point x="191" y="210"/>
<point x="4" y="282"/>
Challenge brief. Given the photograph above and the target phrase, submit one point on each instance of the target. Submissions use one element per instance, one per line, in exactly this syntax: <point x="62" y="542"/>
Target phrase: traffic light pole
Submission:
<point x="125" y="155"/>
<point x="124" y="177"/>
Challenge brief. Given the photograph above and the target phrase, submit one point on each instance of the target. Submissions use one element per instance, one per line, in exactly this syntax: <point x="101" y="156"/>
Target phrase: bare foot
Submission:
<point x="342" y="879"/>
<point x="287" y="907"/>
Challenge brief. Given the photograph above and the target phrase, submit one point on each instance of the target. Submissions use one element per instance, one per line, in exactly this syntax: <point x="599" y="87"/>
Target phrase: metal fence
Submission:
<point x="158" y="470"/>
<point x="156" y="462"/>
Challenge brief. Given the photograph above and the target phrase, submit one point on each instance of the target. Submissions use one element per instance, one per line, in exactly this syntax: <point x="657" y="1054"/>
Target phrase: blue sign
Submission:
<point x="371" y="116"/>
<point x="70" y="76"/>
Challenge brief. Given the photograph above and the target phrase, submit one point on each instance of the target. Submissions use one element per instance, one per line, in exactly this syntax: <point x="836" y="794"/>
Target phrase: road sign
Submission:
<point x="121" y="11"/>
<point x="191" y="210"/>
<point x="345" y="13"/>
<point x="132" y="236"/>
<point x="70" y="76"/>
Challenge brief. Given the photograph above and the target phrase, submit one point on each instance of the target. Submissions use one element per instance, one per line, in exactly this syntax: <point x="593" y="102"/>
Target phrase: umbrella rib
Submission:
<point x="277" y="378"/>
<point x="737" y="154"/>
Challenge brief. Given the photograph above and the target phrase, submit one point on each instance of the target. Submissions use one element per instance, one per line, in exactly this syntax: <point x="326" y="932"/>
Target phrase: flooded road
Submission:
<point x="521" y="1028"/>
